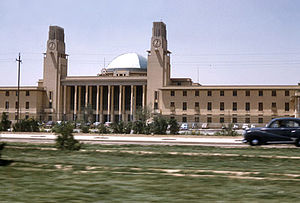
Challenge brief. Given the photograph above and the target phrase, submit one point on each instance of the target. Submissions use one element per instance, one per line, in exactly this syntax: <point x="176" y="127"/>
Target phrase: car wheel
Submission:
<point x="297" y="143"/>
<point x="254" y="142"/>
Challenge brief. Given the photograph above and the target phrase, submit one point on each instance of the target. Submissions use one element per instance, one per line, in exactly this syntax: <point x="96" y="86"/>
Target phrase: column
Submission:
<point x="120" y="102"/>
<point x="108" y="104"/>
<point x="112" y="119"/>
<point x="97" y="104"/>
<point x="123" y="104"/>
<point x="131" y="103"/>
<point x="101" y="104"/>
<point x="90" y="95"/>
<point x="144" y="97"/>
<point x="79" y="99"/>
<point x="75" y="104"/>
<point x="86" y="95"/>
<point x="65" y="102"/>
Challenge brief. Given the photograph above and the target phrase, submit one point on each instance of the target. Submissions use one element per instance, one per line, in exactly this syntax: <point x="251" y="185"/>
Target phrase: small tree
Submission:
<point x="174" y="126"/>
<point x="5" y="123"/>
<point x="160" y="125"/>
<point x="65" y="140"/>
<point x="26" y="125"/>
<point x="118" y="127"/>
<point x="128" y="128"/>
<point x="139" y="127"/>
<point x="102" y="129"/>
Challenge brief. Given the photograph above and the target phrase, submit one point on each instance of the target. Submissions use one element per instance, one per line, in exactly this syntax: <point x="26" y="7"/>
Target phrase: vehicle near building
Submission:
<point x="277" y="131"/>
<point x="184" y="126"/>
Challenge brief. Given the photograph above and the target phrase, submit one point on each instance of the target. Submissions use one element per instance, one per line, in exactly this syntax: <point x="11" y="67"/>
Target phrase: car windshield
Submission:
<point x="284" y="124"/>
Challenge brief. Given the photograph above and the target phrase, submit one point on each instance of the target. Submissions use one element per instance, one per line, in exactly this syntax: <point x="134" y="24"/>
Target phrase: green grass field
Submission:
<point x="132" y="173"/>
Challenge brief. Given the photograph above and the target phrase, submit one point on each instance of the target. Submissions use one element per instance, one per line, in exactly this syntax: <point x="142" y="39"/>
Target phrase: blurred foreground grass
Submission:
<point x="133" y="173"/>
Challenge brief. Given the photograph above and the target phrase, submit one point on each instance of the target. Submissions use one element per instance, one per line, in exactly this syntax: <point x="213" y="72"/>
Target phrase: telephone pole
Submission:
<point x="18" y="92"/>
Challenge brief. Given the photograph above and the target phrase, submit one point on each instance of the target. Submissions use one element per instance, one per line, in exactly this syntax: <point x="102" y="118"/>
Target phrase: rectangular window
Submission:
<point x="155" y="95"/>
<point x="27" y="93"/>
<point x="209" y="119"/>
<point x="7" y="93"/>
<point x="247" y="120"/>
<point x="184" y="119"/>
<point x="273" y="93"/>
<point x="27" y="105"/>
<point x="273" y="105"/>
<point x="260" y="93"/>
<point x="222" y="93"/>
<point x="26" y="116"/>
<point x="184" y="106"/>
<point x="209" y="106"/>
<point x="197" y="93"/>
<point x="247" y="93"/>
<point x="209" y="93"/>
<point x="17" y="106"/>
<point x="247" y="106"/>
<point x="287" y="93"/>
<point x="234" y="120"/>
<point x="16" y="93"/>
<point x="197" y="120"/>
<point x="50" y="105"/>
<point x="260" y="106"/>
<point x="50" y="95"/>
<point x="155" y="105"/>
<point x="16" y="116"/>
<point x="287" y="106"/>
<point x="172" y="93"/>
<point x="234" y="93"/>
<point x="221" y="106"/>
<point x="184" y="93"/>
<point x="196" y="104"/>
<point x="234" y="106"/>
<point x="172" y="104"/>
<point x="221" y="119"/>
<point x="6" y="105"/>
<point x="260" y="120"/>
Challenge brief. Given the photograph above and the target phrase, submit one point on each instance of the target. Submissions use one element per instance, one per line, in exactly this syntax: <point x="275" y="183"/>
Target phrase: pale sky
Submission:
<point x="226" y="41"/>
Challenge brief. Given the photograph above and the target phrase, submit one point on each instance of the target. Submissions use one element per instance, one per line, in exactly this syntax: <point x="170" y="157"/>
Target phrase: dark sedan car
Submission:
<point x="278" y="131"/>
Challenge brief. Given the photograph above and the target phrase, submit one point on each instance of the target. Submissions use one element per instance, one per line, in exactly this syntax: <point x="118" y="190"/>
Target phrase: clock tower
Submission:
<point x="158" y="68"/>
<point x="55" y="69"/>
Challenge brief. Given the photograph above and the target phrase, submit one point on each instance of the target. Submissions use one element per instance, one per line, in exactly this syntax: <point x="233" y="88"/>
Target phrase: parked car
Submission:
<point x="252" y="126"/>
<point x="235" y="126"/>
<point x="184" y="126"/>
<point x="204" y="126"/>
<point x="277" y="131"/>
<point x="245" y="126"/>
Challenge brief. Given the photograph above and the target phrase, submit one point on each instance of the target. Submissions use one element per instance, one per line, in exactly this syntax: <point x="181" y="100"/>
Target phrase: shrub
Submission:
<point x="26" y="125"/>
<point x="227" y="131"/>
<point x="118" y="127"/>
<point x="5" y="123"/>
<point x="128" y="128"/>
<point x="160" y="125"/>
<point x="66" y="141"/>
<point x="138" y="127"/>
<point x="174" y="126"/>
<point x="84" y="128"/>
<point x="102" y="129"/>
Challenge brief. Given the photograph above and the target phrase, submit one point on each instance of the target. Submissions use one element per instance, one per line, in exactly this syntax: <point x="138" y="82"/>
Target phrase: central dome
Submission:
<point x="128" y="61"/>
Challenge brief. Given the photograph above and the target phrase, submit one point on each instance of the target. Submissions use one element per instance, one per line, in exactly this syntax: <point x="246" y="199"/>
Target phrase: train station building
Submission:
<point x="131" y="82"/>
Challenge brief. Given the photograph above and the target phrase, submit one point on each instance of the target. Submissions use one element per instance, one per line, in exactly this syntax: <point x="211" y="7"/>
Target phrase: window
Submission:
<point x="209" y="106"/>
<point x="260" y="106"/>
<point x="234" y="120"/>
<point x="27" y="93"/>
<point x="221" y="119"/>
<point x="50" y="95"/>
<point x="184" y="106"/>
<point x="197" y="120"/>
<point x="221" y="106"/>
<point x="6" y="105"/>
<point x="155" y="105"/>
<point x="287" y="106"/>
<point x="222" y="93"/>
<point x="16" y="93"/>
<point x="273" y="105"/>
<point x="287" y="93"/>
<point x="184" y="93"/>
<point x="209" y="93"/>
<point x="247" y="106"/>
<point x="172" y="117"/>
<point x="197" y="93"/>
<point x="247" y="120"/>
<point x="260" y="93"/>
<point x="234" y="93"/>
<point x="247" y="93"/>
<point x="273" y="93"/>
<point x="16" y="116"/>
<point x="172" y="93"/>
<point x="196" y="105"/>
<point x="26" y="116"/>
<point x="17" y="105"/>
<point x="260" y="120"/>
<point x="27" y="105"/>
<point x="172" y="104"/>
<point x="234" y="106"/>
<point x="209" y="119"/>
<point x="50" y="105"/>
<point x="184" y="119"/>
<point x="155" y="95"/>
<point x="7" y="93"/>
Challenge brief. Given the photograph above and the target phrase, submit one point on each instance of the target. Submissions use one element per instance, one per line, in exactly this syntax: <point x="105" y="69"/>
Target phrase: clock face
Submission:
<point x="51" y="45"/>
<point x="156" y="43"/>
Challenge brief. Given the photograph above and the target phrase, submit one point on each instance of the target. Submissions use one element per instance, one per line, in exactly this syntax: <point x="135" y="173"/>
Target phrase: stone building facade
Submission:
<point x="131" y="81"/>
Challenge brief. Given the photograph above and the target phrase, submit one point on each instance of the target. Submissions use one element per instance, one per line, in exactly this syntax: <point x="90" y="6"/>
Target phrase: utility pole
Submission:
<point x="18" y="92"/>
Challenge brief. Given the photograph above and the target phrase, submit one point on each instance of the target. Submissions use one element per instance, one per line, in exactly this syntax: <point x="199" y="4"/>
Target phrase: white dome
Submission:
<point x="128" y="61"/>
